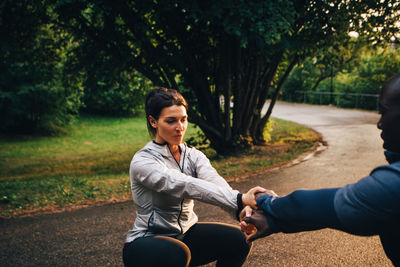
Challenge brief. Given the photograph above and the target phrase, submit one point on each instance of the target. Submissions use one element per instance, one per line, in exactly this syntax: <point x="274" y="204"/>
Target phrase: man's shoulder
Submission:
<point x="392" y="169"/>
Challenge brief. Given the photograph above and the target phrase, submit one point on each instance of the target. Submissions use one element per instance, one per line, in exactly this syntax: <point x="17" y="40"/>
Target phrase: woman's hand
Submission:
<point x="245" y="227"/>
<point x="250" y="198"/>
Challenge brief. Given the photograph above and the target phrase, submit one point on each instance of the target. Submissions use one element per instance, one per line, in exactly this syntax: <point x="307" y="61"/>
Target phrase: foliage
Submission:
<point x="109" y="88"/>
<point x="33" y="95"/>
<point x="122" y="95"/>
<point x="308" y="74"/>
<point x="240" y="50"/>
<point x="365" y="74"/>
<point x="376" y="67"/>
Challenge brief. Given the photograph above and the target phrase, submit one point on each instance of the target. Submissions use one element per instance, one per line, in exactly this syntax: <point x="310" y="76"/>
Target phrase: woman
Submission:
<point x="166" y="175"/>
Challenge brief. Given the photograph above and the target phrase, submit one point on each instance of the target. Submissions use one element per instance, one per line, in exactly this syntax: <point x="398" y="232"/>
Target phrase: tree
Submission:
<point x="325" y="64"/>
<point x="34" y="96"/>
<point x="240" y="50"/>
<point x="109" y="87"/>
<point x="376" y="66"/>
<point x="114" y="94"/>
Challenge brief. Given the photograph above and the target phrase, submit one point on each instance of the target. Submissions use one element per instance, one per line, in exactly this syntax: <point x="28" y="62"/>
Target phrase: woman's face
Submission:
<point x="171" y="125"/>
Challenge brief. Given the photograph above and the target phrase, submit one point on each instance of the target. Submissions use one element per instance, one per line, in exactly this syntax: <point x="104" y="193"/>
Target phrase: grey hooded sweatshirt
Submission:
<point x="164" y="190"/>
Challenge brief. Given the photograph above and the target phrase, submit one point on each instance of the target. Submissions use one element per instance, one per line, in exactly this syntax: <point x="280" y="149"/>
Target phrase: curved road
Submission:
<point x="94" y="236"/>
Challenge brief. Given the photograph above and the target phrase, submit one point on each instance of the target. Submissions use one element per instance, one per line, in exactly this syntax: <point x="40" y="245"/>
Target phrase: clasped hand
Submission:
<point x="253" y="221"/>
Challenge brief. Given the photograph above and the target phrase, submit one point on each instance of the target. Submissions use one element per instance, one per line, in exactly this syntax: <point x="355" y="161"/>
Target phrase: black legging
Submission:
<point x="202" y="243"/>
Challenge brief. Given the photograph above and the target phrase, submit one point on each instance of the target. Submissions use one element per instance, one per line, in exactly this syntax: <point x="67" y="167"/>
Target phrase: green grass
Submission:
<point x="286" y="141"/>
<point x="90" y="163"/>
<point x="95" y="145"/>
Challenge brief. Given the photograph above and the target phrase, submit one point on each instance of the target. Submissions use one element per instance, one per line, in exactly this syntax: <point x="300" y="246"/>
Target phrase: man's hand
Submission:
<point x="259" y="220"/>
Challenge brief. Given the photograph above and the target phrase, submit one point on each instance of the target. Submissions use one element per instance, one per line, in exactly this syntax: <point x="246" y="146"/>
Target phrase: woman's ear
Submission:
<point x="153" y="122"/>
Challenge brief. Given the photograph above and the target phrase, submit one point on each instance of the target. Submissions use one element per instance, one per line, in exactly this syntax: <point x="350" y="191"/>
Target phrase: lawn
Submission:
<point x="90" y="163"/>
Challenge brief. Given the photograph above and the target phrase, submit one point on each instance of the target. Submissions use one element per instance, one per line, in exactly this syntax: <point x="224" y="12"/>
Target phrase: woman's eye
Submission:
<point x="170" y="122"/>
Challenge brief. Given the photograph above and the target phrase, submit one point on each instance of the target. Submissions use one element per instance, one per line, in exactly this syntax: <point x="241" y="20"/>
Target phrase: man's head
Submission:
<point x="389" y="108"/>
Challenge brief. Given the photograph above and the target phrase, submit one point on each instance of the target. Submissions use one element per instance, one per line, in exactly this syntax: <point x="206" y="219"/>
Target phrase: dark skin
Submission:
<point x="389" y="108"/>
<point x="254" y="222"/>
<point x="389" y="124"/>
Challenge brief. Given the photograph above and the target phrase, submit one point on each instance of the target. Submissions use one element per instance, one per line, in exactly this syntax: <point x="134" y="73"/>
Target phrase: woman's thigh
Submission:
<point x="219" y="242"/>
<point x="156" y="251"/>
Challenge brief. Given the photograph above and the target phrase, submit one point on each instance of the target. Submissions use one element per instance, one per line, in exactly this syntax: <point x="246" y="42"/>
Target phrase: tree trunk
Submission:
<point x="258" y="134"/>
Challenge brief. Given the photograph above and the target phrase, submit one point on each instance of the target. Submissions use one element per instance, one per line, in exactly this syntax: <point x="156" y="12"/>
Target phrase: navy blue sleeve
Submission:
<point x="372" y="205"/>
<point x="302" y="210"/>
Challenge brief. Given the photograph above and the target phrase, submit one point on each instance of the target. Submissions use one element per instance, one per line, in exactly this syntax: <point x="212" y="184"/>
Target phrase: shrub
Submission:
<point x="33" y="96"/>
<point x="121" y="95"/>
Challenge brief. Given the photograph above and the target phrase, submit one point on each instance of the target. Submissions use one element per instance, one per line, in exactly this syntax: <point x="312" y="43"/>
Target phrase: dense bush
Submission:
<point x="354" y="87"/>
<point x="374" y="69"/>
<point x="43" y="86"/>
<point x="121" y="95"/>
<point x="33" y="96"/>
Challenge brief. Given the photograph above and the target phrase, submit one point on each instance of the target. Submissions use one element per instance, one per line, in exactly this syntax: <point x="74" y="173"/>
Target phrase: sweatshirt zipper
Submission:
<point x="183" y="165"/>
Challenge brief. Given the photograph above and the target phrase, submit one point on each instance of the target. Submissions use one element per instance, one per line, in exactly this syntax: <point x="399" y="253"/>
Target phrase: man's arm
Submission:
<point x="302" y="210"/>
<point x="371" y="206"/>
<point x="367" y="207"/>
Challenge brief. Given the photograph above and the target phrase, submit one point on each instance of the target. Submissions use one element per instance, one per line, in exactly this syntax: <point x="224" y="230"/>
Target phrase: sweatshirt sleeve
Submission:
<point x="302" y="210"/>
<point x="158" y="177"/>
<point x="206" y="171"/>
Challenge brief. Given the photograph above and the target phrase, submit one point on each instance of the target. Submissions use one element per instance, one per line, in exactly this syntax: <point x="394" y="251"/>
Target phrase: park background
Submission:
<point x="75" y="74"/>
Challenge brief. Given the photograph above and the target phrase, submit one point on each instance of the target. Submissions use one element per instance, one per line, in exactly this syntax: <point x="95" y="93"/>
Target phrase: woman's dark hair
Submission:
<point x="158" y="99"/>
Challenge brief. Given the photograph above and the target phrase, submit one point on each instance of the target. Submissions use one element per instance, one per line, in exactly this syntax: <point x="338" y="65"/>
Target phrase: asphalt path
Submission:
<point x="94" y="236"/>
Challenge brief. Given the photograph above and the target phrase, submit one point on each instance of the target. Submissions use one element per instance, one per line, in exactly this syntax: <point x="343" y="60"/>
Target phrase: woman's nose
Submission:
<point x="179" y="127"/>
